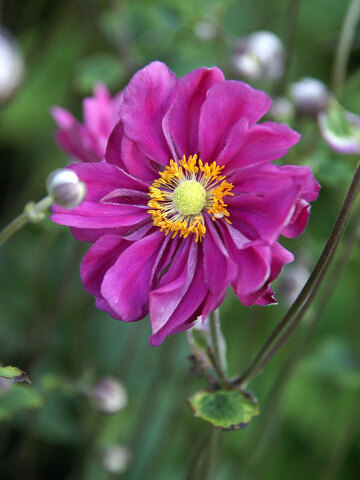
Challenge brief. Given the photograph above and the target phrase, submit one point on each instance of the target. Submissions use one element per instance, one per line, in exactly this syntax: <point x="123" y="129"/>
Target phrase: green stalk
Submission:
<point x="33" y="212"/>
<point x="298" y="309"/>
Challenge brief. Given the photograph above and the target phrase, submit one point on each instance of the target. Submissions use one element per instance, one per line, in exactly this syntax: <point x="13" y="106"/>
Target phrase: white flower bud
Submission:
<point x="282" y="110"/>
<point x="310" y="96"/>
<point x="65" y="188"/>
<point x="260" y="56"/>
<point x="11" y="66"/>
<point x="116" y="459"/>
<point x="109" y="396"/>
<point x="205" y="30"/>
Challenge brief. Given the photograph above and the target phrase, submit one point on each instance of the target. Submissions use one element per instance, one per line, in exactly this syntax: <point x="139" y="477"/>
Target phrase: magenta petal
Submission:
<point x="226" y="103"/>
<point x="175" y="283"/>
<point x="126" y="284"/>
<point x="101" y="179"/>
<point x="219" y="268"/>
<point x="102" y="304"/>
<point x="188" y="308"/>
<point x="264" y="296"/>
<point x="97" y="261"/>
<point x="181" y="124"/>
<point x="249" y="146"/>
<point x="113" y="149"/>
<point x="147" y="99"/>
<point x="265" y="216"/>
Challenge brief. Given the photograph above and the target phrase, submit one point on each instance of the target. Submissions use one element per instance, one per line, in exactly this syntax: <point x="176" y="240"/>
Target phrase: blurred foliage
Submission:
<point x="48" y="324"/>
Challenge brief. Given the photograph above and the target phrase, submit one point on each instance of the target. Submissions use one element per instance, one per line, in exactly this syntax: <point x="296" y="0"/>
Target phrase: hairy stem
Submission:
<point x="296" y="312"/>
<point x="215" y="352"/>
<point x="33" y="212"/>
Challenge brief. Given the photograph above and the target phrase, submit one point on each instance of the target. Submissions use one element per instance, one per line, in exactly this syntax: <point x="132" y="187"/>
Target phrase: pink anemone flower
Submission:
<point x="87" y="142"/>
<point x="188" y="202"/>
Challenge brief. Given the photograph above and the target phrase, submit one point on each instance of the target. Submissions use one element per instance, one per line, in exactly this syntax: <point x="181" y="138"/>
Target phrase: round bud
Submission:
<point x="11" y="66"/>
<point x="116" y="459"/>
<point x="260" y="56"/>
<point x="65" y="188"/>
<point x="310" y="96"/>
<point x="205" y="30"/>
<point x="109" y="396"/>
<point x="282" y="110"/>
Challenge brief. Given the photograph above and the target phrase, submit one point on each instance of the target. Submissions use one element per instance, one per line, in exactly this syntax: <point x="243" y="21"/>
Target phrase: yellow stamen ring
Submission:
<point x="183" y="191"/>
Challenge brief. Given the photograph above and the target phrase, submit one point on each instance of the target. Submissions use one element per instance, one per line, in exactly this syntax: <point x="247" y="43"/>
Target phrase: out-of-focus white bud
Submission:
<point x="260" y="56"/>
<point x="310" y="96"/>
<point x="282" y="110"/>
<point x="65" y="188"/>
<point x="109" y="395"/>
<point x="5" y="385"/>
<point x="11" y="66"/>
<point x="116" y="459"/>
<point x="292" y="281"/>
<point x="205" y="30"/>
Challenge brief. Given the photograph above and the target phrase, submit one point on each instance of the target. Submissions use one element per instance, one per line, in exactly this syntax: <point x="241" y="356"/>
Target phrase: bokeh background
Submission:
<point x="309" y="396"/>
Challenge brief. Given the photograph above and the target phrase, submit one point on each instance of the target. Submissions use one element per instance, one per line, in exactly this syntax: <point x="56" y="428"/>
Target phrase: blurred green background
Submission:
<point x="310" y="421"/>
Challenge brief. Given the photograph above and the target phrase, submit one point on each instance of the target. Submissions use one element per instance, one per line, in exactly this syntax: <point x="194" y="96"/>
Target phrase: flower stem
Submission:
<point x="33" y="212"/>
<point x="216" y="352"/>
<point x="347" y="35"/>
<point x="210" y="463"/>
<point x="292" y="318"/>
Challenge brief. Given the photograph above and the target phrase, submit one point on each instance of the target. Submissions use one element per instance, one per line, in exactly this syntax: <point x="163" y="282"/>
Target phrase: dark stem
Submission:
<point x="210" y="462"/>
<point x="296" y="312"/>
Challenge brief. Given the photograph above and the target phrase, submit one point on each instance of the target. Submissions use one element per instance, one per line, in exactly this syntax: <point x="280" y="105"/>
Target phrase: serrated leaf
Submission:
<point x="14" y="373"/>
<point x="228" y="410"/>
<point x="18" y="398"/>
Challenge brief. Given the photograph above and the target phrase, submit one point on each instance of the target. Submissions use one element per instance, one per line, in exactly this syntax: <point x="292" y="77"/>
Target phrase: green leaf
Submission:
<point x="18" y="398"/>
<point x="14" y="373"/>
<point x="228" y="410"/>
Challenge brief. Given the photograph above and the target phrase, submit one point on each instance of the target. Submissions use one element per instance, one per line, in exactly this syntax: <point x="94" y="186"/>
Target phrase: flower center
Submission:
<point x="189" y="197"/>
<point x="184" y="192"/>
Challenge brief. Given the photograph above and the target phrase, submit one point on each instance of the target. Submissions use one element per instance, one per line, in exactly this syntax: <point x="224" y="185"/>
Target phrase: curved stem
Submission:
<point x="33" y="212"/>
<point x="344" y="46"/>
<point x="303" y="301"/>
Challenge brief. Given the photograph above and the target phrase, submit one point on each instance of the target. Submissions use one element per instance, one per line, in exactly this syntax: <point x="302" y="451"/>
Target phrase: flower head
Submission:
<point x="86" y="142"/>
<point x="188" y="202"/>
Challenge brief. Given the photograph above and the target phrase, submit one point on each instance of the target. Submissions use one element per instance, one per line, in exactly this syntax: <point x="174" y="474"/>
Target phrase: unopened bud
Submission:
<point x="205" y="30"/>
<point x="310" y="96"/>
<point x="11" y="66"/>
<point x="282" y="110"/>
<point x="109" y="396"/>
<point x="260" y="56"/>
<point x="65" y="188"/>
<point x="116" y="459"/>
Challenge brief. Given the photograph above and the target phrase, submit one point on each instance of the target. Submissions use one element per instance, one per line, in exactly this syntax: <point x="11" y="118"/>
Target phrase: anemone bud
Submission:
<point x="65" y="188"/>
<point x="310" y="96"/>
<point x="109" y="395"/>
